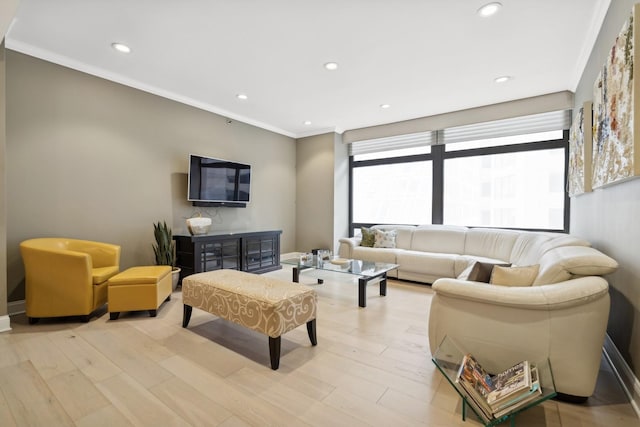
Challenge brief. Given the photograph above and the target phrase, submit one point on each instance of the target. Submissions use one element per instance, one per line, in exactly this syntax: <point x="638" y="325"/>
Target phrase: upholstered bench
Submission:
<point x="139" y="288"/>
<point x="263" y="304"/>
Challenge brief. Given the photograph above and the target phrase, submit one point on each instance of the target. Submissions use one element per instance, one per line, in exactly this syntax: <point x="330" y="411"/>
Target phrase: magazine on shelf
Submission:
<point x="510" y="383"/>
<point x="522" y="400"/>
<point x="499" y="394"/>
<point x="476" y="382"/>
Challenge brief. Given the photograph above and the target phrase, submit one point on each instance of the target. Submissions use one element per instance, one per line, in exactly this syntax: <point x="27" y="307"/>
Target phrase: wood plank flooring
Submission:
<point x="371" y="367"/>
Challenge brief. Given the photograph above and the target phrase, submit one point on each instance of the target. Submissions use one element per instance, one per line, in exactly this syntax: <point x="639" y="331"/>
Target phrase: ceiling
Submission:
<point x="421" y="57"/>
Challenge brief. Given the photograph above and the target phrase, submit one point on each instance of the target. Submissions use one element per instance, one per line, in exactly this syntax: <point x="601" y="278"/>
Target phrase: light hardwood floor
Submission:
<point x="371" y="367"/>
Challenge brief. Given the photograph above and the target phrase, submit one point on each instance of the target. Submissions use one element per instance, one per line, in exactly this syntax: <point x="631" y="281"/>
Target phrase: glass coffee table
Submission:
<point x="367" y="271"/>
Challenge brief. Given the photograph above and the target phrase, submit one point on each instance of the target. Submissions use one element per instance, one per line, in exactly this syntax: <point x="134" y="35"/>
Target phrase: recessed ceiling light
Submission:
<point x="502" y="79"/>
<point x="489" y="9"/>
<point x="120" y="47"/>
<point x="331" y="66"/>
<point x="242" y="96"/>
<point x="385" y="106"/>
<point x="307" y="122"/>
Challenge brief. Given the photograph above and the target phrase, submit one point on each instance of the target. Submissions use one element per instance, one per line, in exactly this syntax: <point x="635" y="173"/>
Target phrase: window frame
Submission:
<point x="439" y="154"/>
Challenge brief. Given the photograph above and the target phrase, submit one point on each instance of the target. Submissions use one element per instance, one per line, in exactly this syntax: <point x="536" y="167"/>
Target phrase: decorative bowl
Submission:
<point x="198" y="225"/>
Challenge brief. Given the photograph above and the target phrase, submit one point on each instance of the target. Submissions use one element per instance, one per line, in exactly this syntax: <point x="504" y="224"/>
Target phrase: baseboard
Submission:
<point x="5" y="323"/>
<point x="15" y="307"/>
<point x="625" y="375"/>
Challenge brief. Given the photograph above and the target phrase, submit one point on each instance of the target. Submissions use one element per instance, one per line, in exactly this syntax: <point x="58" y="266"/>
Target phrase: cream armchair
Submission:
<point x="564" y="322"/>
<point x="67" y="277"/>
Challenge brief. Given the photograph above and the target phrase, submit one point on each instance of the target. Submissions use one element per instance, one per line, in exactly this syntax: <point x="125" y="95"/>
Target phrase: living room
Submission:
<point x="92" y="158"/>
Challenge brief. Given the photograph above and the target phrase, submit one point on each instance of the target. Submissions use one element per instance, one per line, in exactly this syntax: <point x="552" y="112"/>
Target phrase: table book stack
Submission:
<point x="501" y="394"/>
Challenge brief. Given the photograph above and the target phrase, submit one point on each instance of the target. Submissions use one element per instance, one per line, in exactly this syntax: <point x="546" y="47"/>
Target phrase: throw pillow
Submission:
<point x="385" y="239"/>
<point x="514" y="276"/>
<point x="479" y="271"/>
<point x="368" y="237"/>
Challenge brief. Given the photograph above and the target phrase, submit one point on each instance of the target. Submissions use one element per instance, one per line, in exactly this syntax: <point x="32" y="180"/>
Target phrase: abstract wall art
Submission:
<point x="615" y="91"/>
<point x="580" y="153"/>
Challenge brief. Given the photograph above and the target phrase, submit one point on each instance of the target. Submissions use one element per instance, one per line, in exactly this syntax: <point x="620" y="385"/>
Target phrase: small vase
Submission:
<point x="175" y="276"/>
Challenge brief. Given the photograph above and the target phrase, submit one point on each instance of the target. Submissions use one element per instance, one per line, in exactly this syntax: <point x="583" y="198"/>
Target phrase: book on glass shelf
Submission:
<point x="497" y="395"/>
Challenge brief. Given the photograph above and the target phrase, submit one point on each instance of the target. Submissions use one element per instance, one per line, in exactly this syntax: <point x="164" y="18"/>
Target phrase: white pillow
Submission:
<point x="385" y="239"/>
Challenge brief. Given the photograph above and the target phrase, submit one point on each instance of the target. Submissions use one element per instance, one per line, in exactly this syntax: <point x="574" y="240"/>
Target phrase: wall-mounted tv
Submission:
<point x="217" y="182"/>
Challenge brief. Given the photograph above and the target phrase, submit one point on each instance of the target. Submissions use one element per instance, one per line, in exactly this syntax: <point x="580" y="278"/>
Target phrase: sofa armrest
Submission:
<point x="544" y="297"/>
<point x="564" y="322"/>
<point x="346" y="245"/>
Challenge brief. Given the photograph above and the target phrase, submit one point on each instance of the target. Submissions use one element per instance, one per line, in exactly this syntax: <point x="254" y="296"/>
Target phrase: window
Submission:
<point x="508" y="173"/>
<point x="398" y="193"/>
<point x="515" y="190"/>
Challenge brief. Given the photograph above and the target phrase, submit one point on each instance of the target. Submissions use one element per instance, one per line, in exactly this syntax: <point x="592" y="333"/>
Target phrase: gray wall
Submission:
<point x="608" y="217"/>
<point x="315" y="192"/>
<point x="92" y="159"/>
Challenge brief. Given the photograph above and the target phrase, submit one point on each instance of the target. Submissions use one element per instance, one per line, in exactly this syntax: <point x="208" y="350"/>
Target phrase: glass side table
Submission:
<point x="448" y="358"/>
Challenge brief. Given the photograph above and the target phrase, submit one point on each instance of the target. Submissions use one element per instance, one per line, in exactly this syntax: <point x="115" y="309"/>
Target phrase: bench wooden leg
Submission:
<point x="274" y="352"/>
<point x="311" y="329"/>
<point x="153" y="313"/>
<point x="186" y="315"/>
<point x="114" y="315"/>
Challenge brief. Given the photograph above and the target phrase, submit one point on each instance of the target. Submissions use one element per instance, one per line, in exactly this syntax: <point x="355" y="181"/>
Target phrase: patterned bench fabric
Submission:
<point x="263" y="304"/>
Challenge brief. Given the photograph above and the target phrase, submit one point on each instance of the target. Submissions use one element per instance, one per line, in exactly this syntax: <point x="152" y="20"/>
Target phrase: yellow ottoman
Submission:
<point x="139" y="288"/>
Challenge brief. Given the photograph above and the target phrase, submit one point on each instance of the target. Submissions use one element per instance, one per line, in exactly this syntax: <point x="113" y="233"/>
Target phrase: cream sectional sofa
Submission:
<point x="562" y="316"/>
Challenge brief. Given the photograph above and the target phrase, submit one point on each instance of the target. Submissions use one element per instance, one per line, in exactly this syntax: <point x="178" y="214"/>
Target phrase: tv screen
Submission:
<point x="218" y="181"/>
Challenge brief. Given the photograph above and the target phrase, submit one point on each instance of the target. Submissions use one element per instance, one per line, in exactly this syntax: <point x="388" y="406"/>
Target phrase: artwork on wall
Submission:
<point x="580" y="155"/>
<point x="615" y="151"/>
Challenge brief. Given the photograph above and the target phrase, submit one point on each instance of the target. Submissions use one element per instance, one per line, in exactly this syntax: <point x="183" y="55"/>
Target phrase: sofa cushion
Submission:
<point x="447" y="239"/>
<point x="491" y="243"/>
<point x="385" y="239"/>
<point x="514" y="276"/>
<point x="429" y="263"/>
<point x="376" y="254"/>
<point x="368" y="237"/>
<point x="404" y="234"/>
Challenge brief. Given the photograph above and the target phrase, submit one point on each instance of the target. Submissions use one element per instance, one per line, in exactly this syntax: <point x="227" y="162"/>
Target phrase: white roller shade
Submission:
<point x="555" y="120"/>
<point x="392" y="143"/>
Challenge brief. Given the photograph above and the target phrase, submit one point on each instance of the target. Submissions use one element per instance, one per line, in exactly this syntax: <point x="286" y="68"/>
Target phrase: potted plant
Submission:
<point x="164" y="249"/>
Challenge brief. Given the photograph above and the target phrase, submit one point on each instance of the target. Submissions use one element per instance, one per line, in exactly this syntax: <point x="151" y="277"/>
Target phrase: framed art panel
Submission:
<point x="615" y="130"/>
<point x="580" y="153"/>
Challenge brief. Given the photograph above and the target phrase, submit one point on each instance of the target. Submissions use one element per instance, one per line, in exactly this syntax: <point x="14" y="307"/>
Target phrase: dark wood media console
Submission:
<point x="253" y="252"/>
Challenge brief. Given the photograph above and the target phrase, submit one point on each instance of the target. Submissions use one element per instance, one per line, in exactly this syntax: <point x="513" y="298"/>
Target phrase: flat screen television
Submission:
<point x="218" y="182"/>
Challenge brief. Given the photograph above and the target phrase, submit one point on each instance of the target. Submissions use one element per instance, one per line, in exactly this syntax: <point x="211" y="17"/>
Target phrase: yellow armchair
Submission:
<point x="67" y="277"/>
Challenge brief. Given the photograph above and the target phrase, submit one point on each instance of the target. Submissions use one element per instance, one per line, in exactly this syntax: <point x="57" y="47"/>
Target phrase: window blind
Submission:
<point x="392" y="143"/>
<point x="555" y="120"/>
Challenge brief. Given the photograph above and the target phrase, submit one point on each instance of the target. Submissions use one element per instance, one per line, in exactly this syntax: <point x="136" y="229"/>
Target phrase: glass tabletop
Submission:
<point x="341" y="265"/>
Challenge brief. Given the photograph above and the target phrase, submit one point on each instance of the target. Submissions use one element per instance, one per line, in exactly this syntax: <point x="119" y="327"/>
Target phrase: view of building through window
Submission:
<point x="518" y="190"/>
